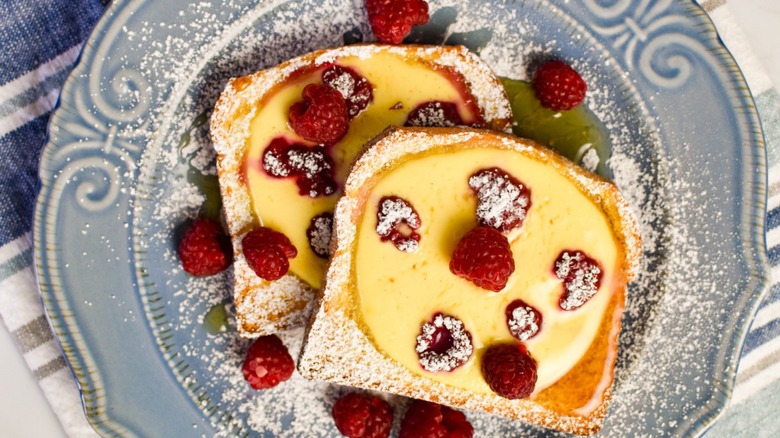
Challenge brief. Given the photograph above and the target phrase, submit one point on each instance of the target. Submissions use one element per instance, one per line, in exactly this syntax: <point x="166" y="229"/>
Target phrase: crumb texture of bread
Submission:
<point x="338" y="350"/>
<point x="266" y="307"/>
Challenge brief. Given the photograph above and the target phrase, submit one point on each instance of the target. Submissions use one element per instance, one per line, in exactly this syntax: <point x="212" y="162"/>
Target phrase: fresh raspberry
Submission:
<point x="430" y="420"/>
<point x="483" y="256"/>
<point x="558" y="86"/>
<point x="322" y="116"/>
<point x="434" y="114"/>
<point x="581" y="277"/>
<point x="268" y="261"/>
<point x="267" y="363"/>
<point x="266" y="251"/>
<point x="443" y="344"/>
<point x="502" y="201"/>
<point x="355" y="88"/>
<point x="393" y="212"/>
<point x="205" y="249"/>
<point x="319" y="233"/>
<point x="392" y="20"/>
<point x="523" y="321"/>
<point x="311" y="166"/>
<point x="362" y="416"/>
<point x="509" y="371"/>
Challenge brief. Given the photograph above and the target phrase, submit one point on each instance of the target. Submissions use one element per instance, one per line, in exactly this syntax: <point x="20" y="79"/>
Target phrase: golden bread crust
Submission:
<point x="336" y="348"/>
<point x="264" y="307"/>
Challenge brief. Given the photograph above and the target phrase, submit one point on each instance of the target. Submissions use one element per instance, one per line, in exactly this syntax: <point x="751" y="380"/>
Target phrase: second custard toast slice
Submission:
<point x="477" y="270"/>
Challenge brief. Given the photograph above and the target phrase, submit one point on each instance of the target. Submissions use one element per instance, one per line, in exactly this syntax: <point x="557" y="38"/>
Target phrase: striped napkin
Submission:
<point x="41" y="40"/>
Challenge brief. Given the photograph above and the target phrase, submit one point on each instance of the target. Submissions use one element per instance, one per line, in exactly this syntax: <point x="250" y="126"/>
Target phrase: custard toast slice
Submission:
<point x="415" y="304"/>
<point x="283" y="170"/>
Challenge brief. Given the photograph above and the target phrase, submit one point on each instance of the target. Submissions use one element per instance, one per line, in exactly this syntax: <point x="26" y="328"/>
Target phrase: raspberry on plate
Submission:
<point x="392" y="20"/>
<point x="483" y="256"/>
<point x="430" y="420"/>
<point x="362" y="416"/>
<point x="509" y="371"/>
<point x="205" y="249"/>
<point x="558" y="86"/>
<point x="267" y="253"/>
<point x="322" y="116"/>
<point x="267" y="363"/>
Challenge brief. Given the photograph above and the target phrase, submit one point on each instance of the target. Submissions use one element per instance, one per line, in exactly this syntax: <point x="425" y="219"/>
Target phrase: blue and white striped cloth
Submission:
<point x="41" y="40"/>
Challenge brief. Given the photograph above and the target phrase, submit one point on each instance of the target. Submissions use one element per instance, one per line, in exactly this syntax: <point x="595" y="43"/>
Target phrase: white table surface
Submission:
<point x="24" y="411"/>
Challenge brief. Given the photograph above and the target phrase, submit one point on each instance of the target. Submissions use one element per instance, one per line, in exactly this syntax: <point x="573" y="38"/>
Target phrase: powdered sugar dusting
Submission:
<point x="580" y="279"/>
<point x="523" y="322"/>
<point x="503" y="201"/>
<point x="392" y="212"/>
<point x="432" y="114"/>
<point x="300" y="407"/>
<point x="457" y="352"/>
<point x="274" y="164"/>
<point x="319" y="234"/>
<point x="344" y="83"/>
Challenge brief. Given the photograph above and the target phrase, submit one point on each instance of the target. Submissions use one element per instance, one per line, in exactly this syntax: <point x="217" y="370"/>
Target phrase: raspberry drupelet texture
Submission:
<point x="362" y="416"/>
<point x="205" y="249"/>
<point x="509" y="371"/>
<point x="430" y="420"/>
<point x="267" y="253"/>
<point x="483" y="256"/>
<point x="558" y="86"/>
<point x="267" y="363"/>
<point x="322" y="117"/>
<point x="392" y="20"/>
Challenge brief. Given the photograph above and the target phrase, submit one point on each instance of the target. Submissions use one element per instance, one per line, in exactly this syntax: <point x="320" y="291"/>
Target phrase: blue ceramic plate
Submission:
<point x="129" y="161"/>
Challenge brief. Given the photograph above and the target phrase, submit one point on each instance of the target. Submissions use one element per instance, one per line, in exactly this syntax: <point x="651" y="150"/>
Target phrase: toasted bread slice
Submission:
<point x="375" y="299"/>
<point x="252" y="111"/>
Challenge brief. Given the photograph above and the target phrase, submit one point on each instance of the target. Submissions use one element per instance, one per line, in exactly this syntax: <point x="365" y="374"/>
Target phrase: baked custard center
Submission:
<point x="399" y="85"/>
<point x="400" y="291"/>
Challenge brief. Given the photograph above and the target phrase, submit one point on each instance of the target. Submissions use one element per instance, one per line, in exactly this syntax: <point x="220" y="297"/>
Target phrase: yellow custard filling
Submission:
<point x="399" y="85"/>
<point x="400" y="291"/>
